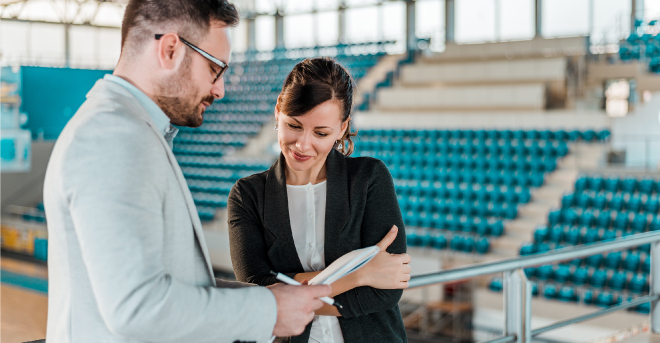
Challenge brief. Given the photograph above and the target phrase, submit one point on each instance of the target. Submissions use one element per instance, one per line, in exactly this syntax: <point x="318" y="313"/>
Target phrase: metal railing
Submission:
<point x="518" y="291"/>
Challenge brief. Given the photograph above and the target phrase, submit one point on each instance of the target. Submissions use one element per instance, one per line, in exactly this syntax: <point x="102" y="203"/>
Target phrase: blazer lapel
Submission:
<point x="276" y="218"/>
<point x="337" y="205"/>
<point x="129" y="101"/>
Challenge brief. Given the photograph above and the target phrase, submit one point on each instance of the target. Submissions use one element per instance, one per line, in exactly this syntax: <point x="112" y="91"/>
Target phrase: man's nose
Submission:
<point x="218" y="89"/>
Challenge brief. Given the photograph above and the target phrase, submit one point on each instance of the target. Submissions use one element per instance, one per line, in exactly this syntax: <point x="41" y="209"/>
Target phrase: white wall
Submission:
<point x="639" y="134"/>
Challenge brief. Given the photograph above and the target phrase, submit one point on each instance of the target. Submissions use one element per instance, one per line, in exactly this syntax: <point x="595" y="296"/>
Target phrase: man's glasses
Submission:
<point x="223" y="66"/>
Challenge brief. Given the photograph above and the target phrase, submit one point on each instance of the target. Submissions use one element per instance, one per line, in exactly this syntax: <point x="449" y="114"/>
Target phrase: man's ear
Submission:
<point x="171" y="51"/>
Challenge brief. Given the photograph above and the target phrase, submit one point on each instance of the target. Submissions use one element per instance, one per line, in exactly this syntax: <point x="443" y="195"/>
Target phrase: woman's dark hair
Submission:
<point x="313" y="82"/>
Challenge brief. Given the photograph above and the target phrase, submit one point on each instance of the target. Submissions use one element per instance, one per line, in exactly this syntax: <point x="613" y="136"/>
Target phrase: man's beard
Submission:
<point x="177" y="98"/>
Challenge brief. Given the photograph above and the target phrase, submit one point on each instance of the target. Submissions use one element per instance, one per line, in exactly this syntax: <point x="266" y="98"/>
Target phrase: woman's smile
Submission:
<point x="300" y="157"/>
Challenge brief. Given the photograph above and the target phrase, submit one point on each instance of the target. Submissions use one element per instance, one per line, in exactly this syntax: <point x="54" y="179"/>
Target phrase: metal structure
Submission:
<point x="86" y="13"/>
<point x="518" y="291"/>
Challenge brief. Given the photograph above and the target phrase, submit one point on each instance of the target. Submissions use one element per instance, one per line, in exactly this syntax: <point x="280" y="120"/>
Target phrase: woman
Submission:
<point x="316" y="204"/>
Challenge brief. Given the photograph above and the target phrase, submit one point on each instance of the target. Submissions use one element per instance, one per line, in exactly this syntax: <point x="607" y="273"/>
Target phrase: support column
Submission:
<point x="498" y="24"/>
<point x="538" y="18"/>
<point x="251" y="23"/>
<point x="517" y="306"/>
<point x="655" y="288"/>
<point x="450" y="22"/>
<point x="279" y="30"/>
<point x="67" y="45"/>
<point x="636" y="12"/>
<point x="411" y="37"/>
<point x="342" y="22"/>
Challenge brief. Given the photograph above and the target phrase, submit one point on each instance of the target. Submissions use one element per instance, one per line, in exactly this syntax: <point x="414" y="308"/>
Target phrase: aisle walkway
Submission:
<point x="24" y="301"/>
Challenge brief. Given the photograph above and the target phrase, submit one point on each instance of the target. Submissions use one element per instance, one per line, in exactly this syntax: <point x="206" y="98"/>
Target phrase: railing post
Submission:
<point x="655" y="287"/>
<point x="517" y="306"/>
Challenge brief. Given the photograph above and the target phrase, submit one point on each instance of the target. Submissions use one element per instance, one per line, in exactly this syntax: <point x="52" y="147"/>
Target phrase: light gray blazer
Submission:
<point x="127" y="258"/>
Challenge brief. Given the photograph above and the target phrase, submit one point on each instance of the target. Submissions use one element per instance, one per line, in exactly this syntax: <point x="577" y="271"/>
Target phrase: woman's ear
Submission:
<point x="344" y="127"/>
<point x="277" y="111"/>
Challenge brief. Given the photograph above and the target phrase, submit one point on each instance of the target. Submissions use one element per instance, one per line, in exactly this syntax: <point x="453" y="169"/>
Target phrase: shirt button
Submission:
<point x="311" y="215"/>
<point x="327" y="332"/>
<point x="310" y="244"/>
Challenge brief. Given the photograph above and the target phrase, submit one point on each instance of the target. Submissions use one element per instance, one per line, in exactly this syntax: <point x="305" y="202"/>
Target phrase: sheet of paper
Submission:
<point x="345" y="265"/>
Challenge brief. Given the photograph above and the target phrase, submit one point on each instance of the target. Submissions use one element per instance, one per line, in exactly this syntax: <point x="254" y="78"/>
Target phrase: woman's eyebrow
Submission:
<point x="318" y="127"/>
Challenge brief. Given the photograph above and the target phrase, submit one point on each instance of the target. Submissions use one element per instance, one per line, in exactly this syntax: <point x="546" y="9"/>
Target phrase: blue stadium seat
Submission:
<point x="618" y="281"/>
<point x="604" y="218"/>
<point x="544" y="272"/>
<point x="613" y="260"/>
<point x="496" y="285"/>
<point x="598" y="278"/>
<point x="567" y="294"/>
<point x="561" y="274"/>
<point x="550" y="291"/>
<point x="605" y="299"/>
<point x="580" y="276"/>
<point x="612" y="184"/>
<point x="638" y="284"/>
<point x="639" y="223"/>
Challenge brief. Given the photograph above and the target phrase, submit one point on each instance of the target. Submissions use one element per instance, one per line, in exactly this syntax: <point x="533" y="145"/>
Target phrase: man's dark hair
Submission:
<point x="191" y="19"/>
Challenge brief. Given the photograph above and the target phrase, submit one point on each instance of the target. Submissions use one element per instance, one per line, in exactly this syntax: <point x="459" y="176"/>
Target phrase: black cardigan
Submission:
<point x="361" y="207"/>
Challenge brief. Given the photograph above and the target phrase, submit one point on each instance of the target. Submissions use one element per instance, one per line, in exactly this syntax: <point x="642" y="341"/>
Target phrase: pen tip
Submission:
<point x="272" y="272"/>
<point x="338" y="305"/>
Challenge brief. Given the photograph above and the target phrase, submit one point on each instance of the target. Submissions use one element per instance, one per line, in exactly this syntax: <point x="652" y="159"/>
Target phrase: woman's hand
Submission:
<point x="385" y="270"/>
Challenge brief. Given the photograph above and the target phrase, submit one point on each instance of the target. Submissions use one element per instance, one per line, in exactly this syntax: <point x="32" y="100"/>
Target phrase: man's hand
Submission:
<point x="296" y="306"/>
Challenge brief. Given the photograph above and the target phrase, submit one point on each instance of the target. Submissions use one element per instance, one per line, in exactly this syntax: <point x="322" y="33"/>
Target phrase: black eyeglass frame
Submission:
<point x="223" y="66"/>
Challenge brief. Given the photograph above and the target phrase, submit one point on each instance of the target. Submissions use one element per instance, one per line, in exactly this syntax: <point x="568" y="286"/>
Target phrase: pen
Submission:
<point x="291" y="281"/>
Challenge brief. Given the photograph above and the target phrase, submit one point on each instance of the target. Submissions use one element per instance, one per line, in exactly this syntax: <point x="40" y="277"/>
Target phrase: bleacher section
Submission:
<point x="599" y="209"/>
<point x="643" y="44"/>
<point x="461" y="186"/>
<point x="527" y="75"/>
<point x="251" y="89"/>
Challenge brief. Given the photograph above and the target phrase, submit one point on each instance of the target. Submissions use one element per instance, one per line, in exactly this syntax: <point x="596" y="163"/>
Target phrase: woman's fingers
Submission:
<point x="388" y="239"/>
<point x="407" y="269"/>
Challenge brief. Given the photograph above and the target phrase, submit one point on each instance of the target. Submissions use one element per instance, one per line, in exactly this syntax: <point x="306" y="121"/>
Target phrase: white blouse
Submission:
<point x="307" y="217"/>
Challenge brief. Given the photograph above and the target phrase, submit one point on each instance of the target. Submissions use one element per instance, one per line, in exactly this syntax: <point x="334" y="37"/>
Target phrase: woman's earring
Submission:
<point x="339" y="146"/>
<point x="275" y="127"/>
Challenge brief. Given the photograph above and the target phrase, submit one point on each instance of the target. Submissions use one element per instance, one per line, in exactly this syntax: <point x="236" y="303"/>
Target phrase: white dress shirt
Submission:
<point x="307" y="217"/>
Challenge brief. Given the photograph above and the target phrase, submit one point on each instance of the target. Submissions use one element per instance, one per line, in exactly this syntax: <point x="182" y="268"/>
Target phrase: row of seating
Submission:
<point x="459" y="176"/>
<point x="572" y="294"/>
<point x="481" y="226"/>
<point x="479" y="163"/>
<point x="615" y="184"/>
<point x="575" y="235"/>
<point x="224" y="128"/>
<point x="437" y="240"/>
<point x="561" y="135"/>
<point x="631" y="260"/>
<point x="605" y="219"/>
<point x="211" y="117"/>
<point x="439" y="148"/>
<point x="427" y="195"/>
<point x="599" y="278"/>
<point x="611" y="201"/>
<point x="642" y="44"/>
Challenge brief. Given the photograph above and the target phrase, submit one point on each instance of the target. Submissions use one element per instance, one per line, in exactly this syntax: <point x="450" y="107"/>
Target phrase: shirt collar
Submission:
<point x="157" y="115"/>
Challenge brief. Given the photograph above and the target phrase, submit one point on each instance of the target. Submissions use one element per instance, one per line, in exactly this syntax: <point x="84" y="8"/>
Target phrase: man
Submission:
<point x="128" y="260"/>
